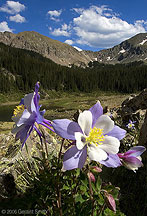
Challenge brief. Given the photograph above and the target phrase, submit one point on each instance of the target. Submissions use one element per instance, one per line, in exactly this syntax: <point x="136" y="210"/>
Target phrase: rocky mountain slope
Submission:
<point x="133" y="49"/>
<point x="57" y="51"/>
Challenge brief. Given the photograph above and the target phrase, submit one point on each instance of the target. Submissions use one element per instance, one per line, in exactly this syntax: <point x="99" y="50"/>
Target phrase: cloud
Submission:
<point x="54" y="15"/>
<point x="102" y="28"/>
<point x="63" y="31"/>
<point x="78" y="10"/>
<point x="12" y="7"/>
<point x="69" y="42"/>
<point x="4" y="27"/>
<point x="17" y="18"/>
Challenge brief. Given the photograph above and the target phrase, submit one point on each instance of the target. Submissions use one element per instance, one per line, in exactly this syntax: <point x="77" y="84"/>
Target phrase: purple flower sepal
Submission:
<point x="73" y="158"/>
<point x="112" y="160"/>
<point x="27" y="115"/>
<point x="95" y="135"/>
<point x="131" y="159"/>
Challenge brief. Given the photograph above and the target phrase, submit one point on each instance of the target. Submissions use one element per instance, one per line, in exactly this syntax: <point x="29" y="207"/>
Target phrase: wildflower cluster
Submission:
<point x="94" y="141"/>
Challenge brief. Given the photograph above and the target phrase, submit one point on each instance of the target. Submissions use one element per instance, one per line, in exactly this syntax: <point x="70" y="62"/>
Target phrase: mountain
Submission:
<point x="133" y="49"/>
<point x="57" y="51"/>
<point x="20" y="69"/>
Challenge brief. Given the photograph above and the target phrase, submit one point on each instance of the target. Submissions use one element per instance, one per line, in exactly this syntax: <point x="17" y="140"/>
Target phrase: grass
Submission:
<point x="62" y="105"/>
<point x="10" y="98"/>
<point x="68" y="104"/>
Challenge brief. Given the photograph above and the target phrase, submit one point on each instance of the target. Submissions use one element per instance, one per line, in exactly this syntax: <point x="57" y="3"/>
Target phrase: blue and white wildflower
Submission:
<point x="131" y="124"/>
<point x="27" y="116"/>
<point x="95" y="135"/>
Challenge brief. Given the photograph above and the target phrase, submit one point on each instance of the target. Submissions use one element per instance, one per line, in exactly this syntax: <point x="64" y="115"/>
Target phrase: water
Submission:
<point x="6" y="112"/>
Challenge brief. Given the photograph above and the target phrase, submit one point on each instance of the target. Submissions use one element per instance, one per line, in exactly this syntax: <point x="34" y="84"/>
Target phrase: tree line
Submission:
<point x="21" y="69"/>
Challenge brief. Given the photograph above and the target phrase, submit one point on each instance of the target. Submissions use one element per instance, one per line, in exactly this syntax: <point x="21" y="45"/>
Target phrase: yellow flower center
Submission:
<point x="95" y="136"/>
<point x="18" y="110"/>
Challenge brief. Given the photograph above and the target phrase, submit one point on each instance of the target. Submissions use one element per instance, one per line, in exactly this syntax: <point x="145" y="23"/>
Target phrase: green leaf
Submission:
<point x="37" y="158"/>
<point x="115" y="193"/>
<point x="94" y="188"/>
<point x="98" y="184"/>
<point x="65" y="187"/>
<point x="100" y="200"/>
<point x="79" y="198"/>
<point x="83" y="188"/>
<point x="84" y="182"/>
<point x="77" y="172"/>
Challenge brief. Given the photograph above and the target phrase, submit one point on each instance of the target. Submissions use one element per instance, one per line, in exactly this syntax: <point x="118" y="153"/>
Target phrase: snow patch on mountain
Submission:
<point x="143" y="42"/>
<point x="122" y="51"/>
<point x="77" y="48"/>
<point x="109" y="58"/>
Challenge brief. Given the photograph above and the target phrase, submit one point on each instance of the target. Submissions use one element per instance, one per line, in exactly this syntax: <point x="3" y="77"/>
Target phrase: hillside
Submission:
<point x="133" y="49"/>
<point x="57" y="51"/>
<point x="20" y="69"/>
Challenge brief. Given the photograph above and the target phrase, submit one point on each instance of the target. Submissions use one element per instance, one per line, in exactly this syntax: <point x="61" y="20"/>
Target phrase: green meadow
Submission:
<point x="58" y="104"/>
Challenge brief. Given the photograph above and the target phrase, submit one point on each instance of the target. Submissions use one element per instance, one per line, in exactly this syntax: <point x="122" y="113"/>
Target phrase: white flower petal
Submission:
<point x="79" y="142"/>
<point x="139" y="157"/>
<point x="23" y="118"/>
<point x="29" y="102"/>
<point x="130" y="166"/>
<point x="96" y="154"/>
<point x="104" y="122"/>
<point x="33" y="107"/>
<point x="85" y="121"/>
<point x="110" y="145"/>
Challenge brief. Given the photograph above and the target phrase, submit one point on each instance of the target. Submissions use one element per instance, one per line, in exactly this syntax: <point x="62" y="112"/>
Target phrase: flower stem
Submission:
<point x="60" y="152"/>
<point x="102" y="208"/>
<point x="59" y="203"/>
<point x="90" y="188"/>
<point x="91" y="192"/>
<point x="44" y="139"/>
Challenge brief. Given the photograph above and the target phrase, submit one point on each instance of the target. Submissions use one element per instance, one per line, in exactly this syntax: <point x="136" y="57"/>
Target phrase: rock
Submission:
<point x="143" y="134"/>
<point x="15" y="162"/>
<point x="133" y="108"/>
<point x="7" y="184"/>
<point x="134" y="103"/>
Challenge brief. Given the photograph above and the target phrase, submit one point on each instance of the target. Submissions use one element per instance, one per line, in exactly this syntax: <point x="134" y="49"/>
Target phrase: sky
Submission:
<point x="85" y="24"/>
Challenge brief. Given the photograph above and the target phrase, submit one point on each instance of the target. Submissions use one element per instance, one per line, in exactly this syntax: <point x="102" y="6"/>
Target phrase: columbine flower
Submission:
<point x="27" y="115"/>
<point x="131" y="159"/>
<point x="131" y="124"/>
<point x="95" y="135"/>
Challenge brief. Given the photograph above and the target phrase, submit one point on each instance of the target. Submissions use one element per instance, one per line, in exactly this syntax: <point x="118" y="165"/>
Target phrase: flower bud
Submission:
<point x="96" y="169"/>
<point x="91" y="177"/>
<point x="110" y="202"/>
